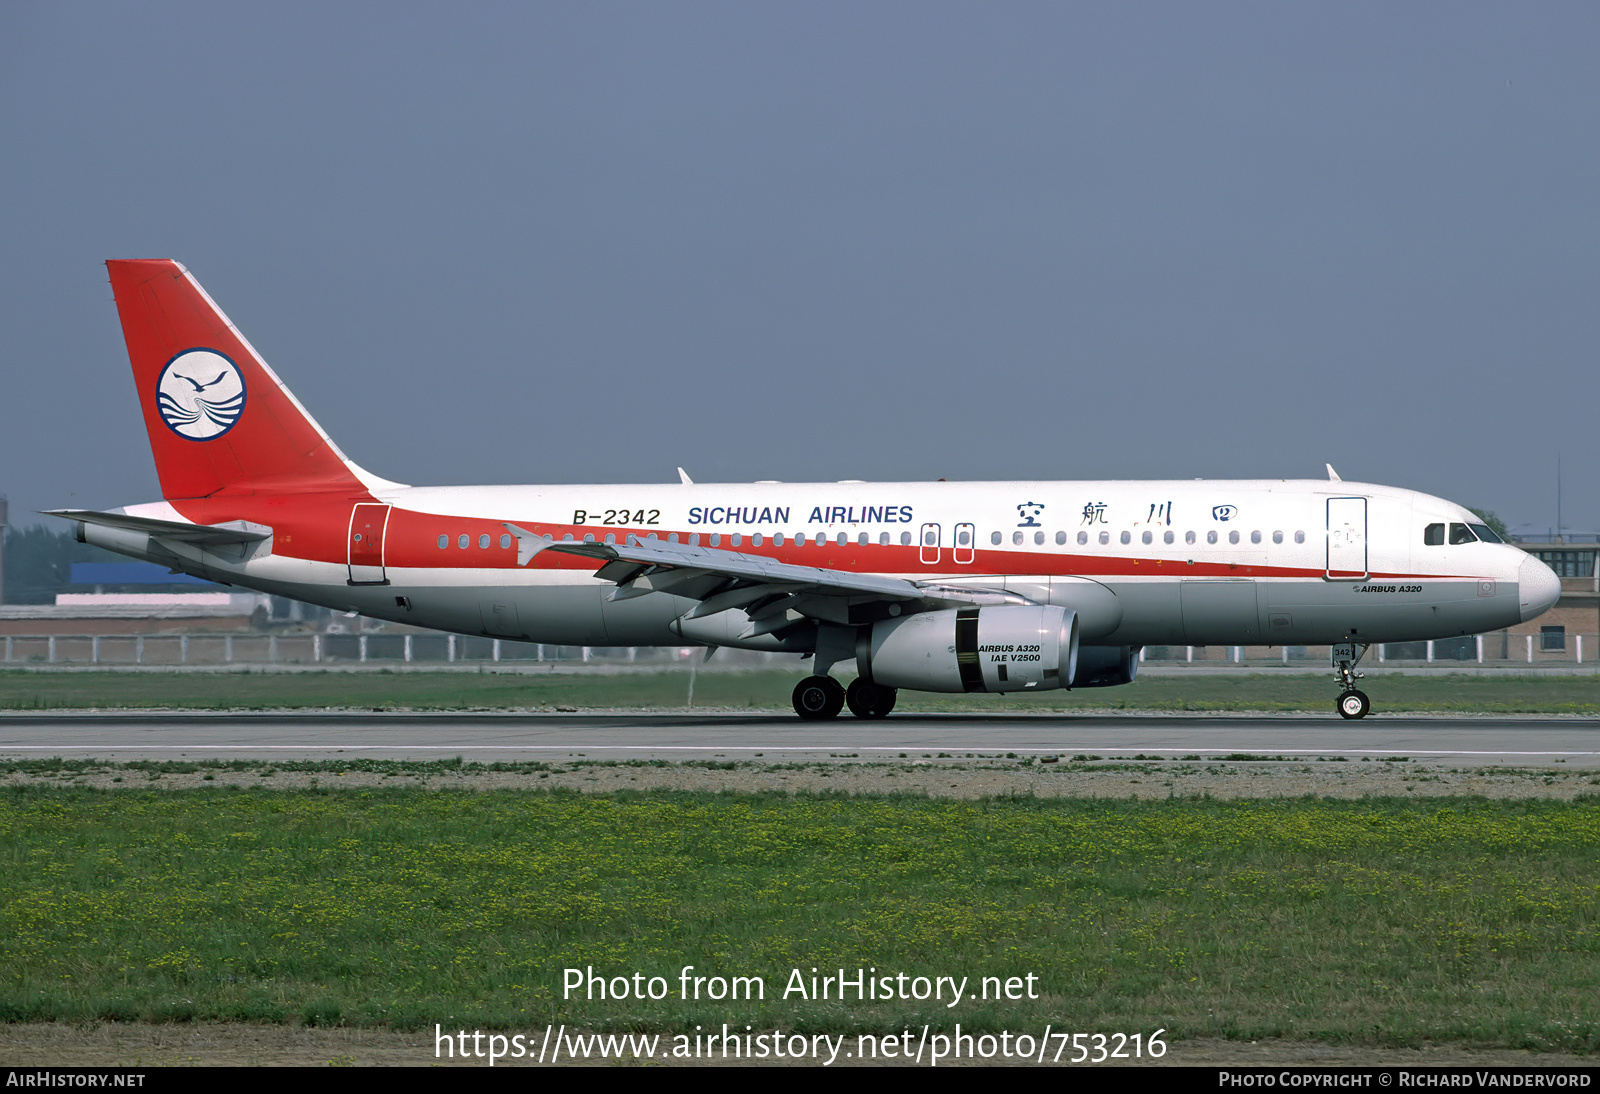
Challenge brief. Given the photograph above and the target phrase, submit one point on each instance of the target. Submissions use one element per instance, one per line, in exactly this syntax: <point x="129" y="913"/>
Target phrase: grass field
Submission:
<point x="1374" y="922"/>
<point x="24" y="690"/>
<point x="1378" y="921"/>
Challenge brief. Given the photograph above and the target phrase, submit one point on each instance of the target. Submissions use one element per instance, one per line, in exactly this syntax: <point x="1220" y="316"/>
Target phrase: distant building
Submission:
<point x="1574" y="558"/>
<point x="121" y="603"/>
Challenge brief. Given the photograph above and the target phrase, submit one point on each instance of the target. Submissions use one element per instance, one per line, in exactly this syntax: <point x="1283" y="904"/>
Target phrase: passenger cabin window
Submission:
<point x="1083" y="538"/>
<point x="444" y="541"/>
<point x="1105" y="537"/>
<point x="1167" y="537"/>
<point x="905" y="538"/>
<point x="995" y="539"/>
<point x="1146" y="538"/>
<point x="1061" y="539"/>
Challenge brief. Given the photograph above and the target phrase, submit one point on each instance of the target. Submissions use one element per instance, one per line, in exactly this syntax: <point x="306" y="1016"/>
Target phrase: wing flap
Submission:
<point x="756" y="569"/>
<point x="772" y="593"/>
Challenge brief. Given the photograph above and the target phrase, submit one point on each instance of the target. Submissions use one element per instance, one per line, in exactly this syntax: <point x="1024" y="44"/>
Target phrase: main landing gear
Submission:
<point x="818" y="698"/>
<point x="1351" y="703"/>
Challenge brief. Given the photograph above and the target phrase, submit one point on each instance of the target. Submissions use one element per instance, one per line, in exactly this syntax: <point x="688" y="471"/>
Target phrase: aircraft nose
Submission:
<point x="1538" y="588"/>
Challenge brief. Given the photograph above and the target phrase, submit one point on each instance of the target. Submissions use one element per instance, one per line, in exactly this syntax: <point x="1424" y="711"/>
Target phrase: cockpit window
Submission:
<point x="1485" y="533"/>
<point x="1433" y="535"/>
<point x="1460" y="533"/>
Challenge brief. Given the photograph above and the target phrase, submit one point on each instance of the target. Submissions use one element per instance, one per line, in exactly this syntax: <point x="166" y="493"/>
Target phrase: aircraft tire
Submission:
<point x="870" y="700"/>
<point x="818" y="698"/>
<point x="1354" y="704"/>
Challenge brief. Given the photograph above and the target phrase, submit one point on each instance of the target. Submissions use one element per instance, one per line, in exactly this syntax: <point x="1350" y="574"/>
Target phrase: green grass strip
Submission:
<point x="1375" y="921"/>
<point x="381" y="690"/>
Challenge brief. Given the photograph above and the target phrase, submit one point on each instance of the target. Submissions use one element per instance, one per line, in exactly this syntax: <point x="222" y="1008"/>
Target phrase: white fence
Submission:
<point x="1497" y="648"/>
<point x="1500" y="649"/>
<point x="210" y="649"/>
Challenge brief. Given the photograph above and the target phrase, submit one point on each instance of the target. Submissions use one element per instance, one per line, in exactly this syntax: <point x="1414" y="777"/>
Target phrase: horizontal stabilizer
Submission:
<point x="207" y="535"/>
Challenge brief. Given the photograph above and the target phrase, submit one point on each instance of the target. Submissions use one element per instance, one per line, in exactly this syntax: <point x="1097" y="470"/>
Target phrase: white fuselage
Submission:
<point x="1160" y="562"/>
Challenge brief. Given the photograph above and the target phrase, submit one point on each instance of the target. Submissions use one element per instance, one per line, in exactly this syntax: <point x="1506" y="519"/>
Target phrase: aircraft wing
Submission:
<point x="206" y="535"/>
<point x="768" y="590"/>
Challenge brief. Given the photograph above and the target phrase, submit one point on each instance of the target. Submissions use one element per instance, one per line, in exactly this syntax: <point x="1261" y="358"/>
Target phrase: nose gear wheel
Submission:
<point x="1354" y="704"/>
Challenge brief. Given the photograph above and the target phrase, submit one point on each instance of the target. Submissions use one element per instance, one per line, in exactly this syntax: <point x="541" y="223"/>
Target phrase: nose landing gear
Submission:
<point x="1351" y="703"/>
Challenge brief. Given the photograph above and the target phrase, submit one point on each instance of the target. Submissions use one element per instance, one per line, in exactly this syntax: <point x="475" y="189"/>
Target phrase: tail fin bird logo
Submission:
<point x="200" y="394"/>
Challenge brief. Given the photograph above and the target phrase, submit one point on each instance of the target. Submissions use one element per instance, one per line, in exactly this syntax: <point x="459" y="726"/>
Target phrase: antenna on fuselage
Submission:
<point x="683" y="477"/>
<point x="1333" y="476"/>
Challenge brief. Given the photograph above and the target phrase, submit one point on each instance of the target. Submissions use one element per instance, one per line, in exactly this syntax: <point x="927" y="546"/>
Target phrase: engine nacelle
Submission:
<point x="1106" y="666"/>
<point x="996" y="648"/>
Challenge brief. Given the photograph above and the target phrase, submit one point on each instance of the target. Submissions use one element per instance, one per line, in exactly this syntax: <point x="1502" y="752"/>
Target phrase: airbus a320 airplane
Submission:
<point x="933" y="586"/>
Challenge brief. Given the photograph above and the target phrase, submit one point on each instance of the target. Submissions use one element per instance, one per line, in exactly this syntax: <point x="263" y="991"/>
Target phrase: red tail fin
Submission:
<point x="220" y="421"/>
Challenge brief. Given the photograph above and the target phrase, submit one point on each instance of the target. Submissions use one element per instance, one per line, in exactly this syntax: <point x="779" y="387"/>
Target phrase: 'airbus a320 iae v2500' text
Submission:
<point x="934" y="586"/>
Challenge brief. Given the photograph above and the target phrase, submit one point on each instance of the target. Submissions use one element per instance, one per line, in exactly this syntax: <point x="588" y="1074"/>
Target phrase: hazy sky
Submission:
<point x="588" y="242"/>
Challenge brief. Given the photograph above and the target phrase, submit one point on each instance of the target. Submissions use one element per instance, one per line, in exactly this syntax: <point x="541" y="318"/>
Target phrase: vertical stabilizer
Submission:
<point x="220" y="421"/>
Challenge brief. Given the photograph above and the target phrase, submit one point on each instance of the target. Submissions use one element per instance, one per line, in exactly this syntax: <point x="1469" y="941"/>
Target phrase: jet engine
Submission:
<point x="1031" y="647"/>
<point x="1106" y="666"/>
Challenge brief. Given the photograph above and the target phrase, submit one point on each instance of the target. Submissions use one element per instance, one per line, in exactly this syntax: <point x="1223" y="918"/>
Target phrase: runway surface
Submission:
<point x="488" y="737"/>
